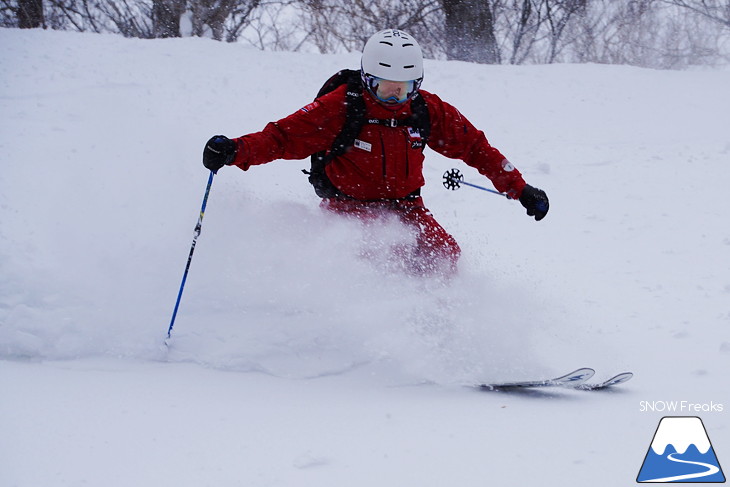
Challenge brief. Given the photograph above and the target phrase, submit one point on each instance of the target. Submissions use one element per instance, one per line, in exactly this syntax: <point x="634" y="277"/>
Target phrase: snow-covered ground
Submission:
<point x="295" y="361"/>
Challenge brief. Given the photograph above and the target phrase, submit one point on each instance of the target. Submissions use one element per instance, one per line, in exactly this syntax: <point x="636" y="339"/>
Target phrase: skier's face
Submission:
<point x="391" y="92"/>
<point x="394" y="91"/>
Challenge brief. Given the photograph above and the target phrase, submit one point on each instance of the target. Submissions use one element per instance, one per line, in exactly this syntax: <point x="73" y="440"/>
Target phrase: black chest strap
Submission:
<point x="355" y="119"/>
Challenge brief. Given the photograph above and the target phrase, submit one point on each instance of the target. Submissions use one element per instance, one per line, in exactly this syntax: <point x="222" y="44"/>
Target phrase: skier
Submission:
<point x="380" y="171"/>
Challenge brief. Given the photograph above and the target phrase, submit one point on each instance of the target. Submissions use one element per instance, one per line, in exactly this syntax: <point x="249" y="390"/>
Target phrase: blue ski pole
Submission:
<point x="453" y="179"/>
<point x="198" y="226"/>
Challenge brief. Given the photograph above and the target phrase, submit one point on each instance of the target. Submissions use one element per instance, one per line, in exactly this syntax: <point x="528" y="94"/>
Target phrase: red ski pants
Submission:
<point x="436" y="251"/>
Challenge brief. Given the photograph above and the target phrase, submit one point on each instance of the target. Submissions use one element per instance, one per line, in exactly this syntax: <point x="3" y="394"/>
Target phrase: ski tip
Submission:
<point x="609" y="383"/>
<point x="620" y="378"/>
<point x="576" y="377"/>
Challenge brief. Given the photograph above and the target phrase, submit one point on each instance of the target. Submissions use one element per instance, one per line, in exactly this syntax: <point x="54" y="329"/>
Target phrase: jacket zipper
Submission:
<point x="408" y="162"/>
<point x="382" y="153"/>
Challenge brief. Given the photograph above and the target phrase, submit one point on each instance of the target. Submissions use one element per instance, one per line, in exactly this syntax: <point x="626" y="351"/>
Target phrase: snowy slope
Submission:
<point x="295" y="361"/>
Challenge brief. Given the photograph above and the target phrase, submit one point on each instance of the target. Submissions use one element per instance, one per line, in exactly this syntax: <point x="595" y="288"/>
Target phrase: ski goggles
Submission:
<point x="391" y="92"/>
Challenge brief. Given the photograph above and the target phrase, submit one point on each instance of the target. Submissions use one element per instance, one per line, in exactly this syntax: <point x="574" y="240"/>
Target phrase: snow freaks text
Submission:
<point x="682" y="407"/>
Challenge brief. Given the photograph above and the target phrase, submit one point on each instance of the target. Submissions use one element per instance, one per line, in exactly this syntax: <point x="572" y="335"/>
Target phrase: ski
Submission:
<point x="615" y="380"/>
<point x="573" y="380"/>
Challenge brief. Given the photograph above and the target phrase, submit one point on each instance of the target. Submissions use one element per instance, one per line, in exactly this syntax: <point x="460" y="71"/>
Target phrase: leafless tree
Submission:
<point x="715" y="10"/>
<point x="131" y="18"/>
<point x="82" y="16"/>
<point x="166" y="15"/>
<point x="337" y="25"/>
<point x="470" y="30"/>
<point x="509" y="30"/>
<point x="271" y="26"/>
<point x="222" y="20"/>
<point x="652" y="33"/>
<point x="239" y="17"/>
<point x="647" y="33"/>
<point x="30" y="14"/>
<point x="558" y="15"/>
<point x="26" y="14"/>
<point x="522" y="22"/>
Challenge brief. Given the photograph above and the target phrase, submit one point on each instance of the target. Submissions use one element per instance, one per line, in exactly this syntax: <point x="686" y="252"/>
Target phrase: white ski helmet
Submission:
<point x="392" y="55"/>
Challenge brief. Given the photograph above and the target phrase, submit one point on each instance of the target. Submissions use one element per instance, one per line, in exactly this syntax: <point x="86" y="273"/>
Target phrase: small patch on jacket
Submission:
<point x="366" y="146"/>
<point x="310" y="107"/>
<point x="414" y="136"/>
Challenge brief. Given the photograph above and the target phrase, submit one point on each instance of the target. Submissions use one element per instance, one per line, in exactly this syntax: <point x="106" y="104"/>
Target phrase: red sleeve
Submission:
<point x="311" y="129"/>
<point x="453" y="136"/>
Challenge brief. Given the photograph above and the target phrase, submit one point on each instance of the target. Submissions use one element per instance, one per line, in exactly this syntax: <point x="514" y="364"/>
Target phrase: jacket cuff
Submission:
<point x="515" y="190"/>
<point x="241" y="158"/>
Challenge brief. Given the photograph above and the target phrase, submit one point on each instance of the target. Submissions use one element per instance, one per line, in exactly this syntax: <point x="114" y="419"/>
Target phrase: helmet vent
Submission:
<point x="386" y="65"/>
<point x="409" y="66"/>
<point x="407" y="45"/>
<point x="387" y="43"/>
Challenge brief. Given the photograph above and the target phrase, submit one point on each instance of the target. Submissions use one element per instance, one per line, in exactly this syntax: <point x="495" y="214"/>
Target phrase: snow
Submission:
<point x="295" y="359"/>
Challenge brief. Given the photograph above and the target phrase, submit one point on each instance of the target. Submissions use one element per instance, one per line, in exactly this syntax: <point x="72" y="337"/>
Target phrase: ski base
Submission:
<point x="573" y="380"/>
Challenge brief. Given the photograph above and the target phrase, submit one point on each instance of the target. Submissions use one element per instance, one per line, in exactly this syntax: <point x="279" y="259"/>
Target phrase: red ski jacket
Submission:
<point x="385" y="162"/>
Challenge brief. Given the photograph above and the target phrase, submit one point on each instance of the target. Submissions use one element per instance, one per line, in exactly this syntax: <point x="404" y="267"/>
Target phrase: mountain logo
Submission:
<point x="680" y="452"/>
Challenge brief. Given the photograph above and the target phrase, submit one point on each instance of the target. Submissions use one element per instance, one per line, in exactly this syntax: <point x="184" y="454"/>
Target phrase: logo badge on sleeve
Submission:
<point x="310" y="107"/>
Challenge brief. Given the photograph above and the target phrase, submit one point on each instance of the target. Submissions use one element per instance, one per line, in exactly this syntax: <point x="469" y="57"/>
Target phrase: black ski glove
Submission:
<point x="536" y="202"/>
<point x="219" y="151"/>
